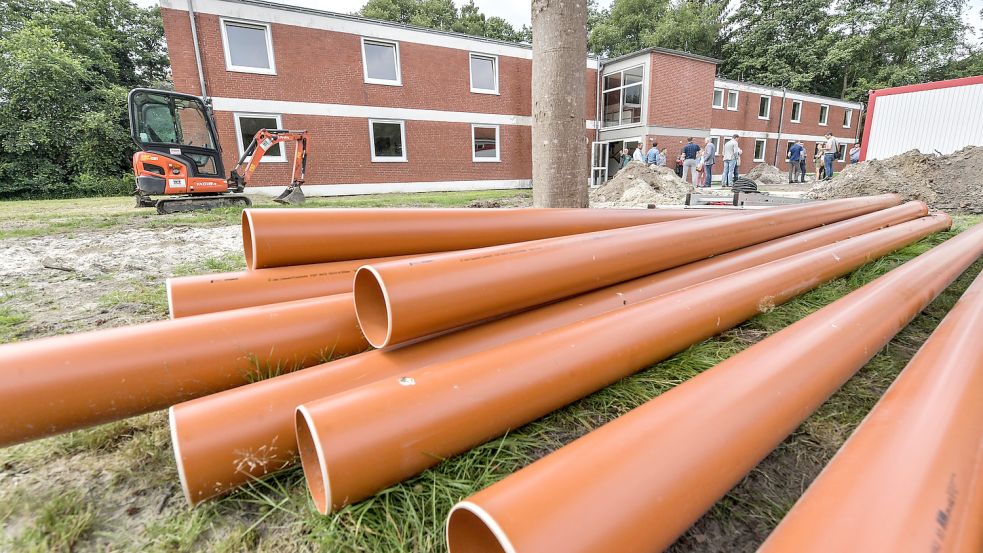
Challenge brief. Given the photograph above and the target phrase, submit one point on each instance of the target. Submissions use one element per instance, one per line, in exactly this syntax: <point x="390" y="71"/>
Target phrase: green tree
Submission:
<point x="443" y="15"/>
<point x="779" y="42"/>
<point x="693" y="26"/>
<point x="629" y="25"/>
<point x="65" y="69"/>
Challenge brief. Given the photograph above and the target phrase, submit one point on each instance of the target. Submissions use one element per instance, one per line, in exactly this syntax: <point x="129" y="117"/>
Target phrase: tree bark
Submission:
<point x="559" y="138"/>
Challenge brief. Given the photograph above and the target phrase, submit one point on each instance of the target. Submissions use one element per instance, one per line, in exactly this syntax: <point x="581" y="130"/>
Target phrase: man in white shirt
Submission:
<point x="731" y="153"/>
<point x="829" y="154"/>
<point x="639" y="155"/>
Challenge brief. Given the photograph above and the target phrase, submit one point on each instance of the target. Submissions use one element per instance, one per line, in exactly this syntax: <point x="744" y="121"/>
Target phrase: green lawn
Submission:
<point x="114" y="487"/>
<point x="21" y="219"/>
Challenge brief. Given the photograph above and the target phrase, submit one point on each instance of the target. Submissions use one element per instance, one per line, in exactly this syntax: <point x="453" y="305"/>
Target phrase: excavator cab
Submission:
<point x="179" y="155"/>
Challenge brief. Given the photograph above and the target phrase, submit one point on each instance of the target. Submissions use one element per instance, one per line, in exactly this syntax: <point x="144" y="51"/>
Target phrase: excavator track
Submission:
<point x="192" y="203"/>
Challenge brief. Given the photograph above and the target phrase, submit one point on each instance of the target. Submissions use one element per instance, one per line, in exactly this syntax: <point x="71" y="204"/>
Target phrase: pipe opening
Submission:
<point x="472" y="530"/>
<point x="315" y="472"/>
<point x="248" y="244"/>
<point x="372" y="307"/>
<point x="178" y="458"/>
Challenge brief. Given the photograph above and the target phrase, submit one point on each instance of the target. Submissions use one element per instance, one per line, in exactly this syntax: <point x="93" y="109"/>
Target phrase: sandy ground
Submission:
<point x="65" y="282"/>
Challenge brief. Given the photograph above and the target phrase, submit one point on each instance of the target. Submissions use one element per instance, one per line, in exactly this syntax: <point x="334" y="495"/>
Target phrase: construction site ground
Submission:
<point x="74" y="265"/>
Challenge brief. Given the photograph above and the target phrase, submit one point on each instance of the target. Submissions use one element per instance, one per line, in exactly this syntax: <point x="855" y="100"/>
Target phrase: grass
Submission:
<point x="31" y="218"/>
<point x="130" y="462"/>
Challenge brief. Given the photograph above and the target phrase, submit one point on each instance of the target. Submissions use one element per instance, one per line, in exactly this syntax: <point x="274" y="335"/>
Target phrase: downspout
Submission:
<point x="781" y="125"/>
<point x="194" y="40"/>
<point x="597" y="120"/>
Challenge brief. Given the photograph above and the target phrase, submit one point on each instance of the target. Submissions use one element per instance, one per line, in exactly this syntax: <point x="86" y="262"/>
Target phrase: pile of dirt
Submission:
<point x="951" y="183"/>
<point x="638" y="185"/>
<point x="768" y="175"/>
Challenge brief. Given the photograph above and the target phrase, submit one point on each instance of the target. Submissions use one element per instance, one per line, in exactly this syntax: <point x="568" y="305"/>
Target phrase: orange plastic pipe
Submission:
<point x="905" y="480"/>
<point x="62" y="383"/>
<point x="408" y="423"/>
<point x="672" y="458"/>
<point x="227" y="439"/>
<point x="403" y="300"/>
<point x="282" y="237"/>
<point x="200" y="294"/>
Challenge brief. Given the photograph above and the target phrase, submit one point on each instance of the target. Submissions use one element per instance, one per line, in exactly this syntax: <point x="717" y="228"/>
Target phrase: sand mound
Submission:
<point x="951" y="183"/>
<point x="638" y="185"/>
<point x="768" y="175"/>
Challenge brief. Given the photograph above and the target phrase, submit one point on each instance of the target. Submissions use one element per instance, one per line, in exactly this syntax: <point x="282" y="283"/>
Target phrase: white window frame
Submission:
<point x="365" y="66"/>
<point x="764" y="149"/>
<point x="846" y="152"/>
<point x="282" y="158"/>
<point x="494" y="59"/>
<point x="788" y="148"/>
<point x="228" y="54"/>
<point x="799" y="120"/>
<point x="848" y="118"/>
<point x="737" y="97"/>
<point x="716" y="141"/>
<point x="823" y="121"/>
<point x="498" y="144"/>
<point x="621" y="97"/>
<point x="767" y="114"/>
<point x="402" y="137"/>
<point x="723" y="94"/>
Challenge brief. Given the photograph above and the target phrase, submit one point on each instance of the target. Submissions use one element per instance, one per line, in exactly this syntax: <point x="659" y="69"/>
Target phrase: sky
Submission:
<point x="517" y="12"/>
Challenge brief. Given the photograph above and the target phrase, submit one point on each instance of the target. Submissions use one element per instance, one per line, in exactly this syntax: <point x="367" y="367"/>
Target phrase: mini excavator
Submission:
<point x="180" y="156"/>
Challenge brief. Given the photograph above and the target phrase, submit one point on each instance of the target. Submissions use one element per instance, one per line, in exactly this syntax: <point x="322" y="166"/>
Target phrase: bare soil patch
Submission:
<point x="951" y="183"/>
<point x="638" y="185"/>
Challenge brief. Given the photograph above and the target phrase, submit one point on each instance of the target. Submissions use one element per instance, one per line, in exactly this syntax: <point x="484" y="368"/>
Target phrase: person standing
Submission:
<point x="652" y="157"/>
<point x="690" y="154"/>
<point x="817" y="160"/>
<point x="625" y="158"/>
<point x="855" y="153"/>
<point x="663" y="157"/>
<point x="737" y="163"/>
<point x="730" y="159"/>
<point x="679" y="165"/>
<point x="829" y="154"/>
<point x="802" y="160"/>
<point x="709" y="153"/>
<point x="639" y="154"/>
<point x="795" y="153"/>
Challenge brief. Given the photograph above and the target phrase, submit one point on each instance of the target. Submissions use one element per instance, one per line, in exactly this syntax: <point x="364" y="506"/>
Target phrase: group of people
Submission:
<point x="697" y="162"/>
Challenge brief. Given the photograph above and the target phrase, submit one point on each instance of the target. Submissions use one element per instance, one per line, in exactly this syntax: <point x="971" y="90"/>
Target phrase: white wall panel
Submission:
<point x="941" y="120"/>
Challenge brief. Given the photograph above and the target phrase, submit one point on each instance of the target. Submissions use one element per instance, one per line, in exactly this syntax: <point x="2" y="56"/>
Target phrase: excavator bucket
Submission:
<point x="293" y="195"/>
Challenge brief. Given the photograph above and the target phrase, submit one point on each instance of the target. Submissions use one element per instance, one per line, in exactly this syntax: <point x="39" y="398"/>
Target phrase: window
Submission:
<point x="842" y="150"/>
<point x="623" y="97"/>
<point x="247" y="124"/>
<point x="796" y="111"/>
<point x="732" y="100"/>
<point x="718" y="98"/>
<point x="387" y="139"/>
<point x="847" y="118"/>
<point x="788" y="149"/>
<point x="248" y="47"/>
<point x="380" y="62"/>
<point x="823" y="114"/>
<point x="716" y="144"/>
<point x="484" y="139"/>
<point x="484" y="74"/>
<point x="759" y="149"/>
<point x="764" y="107"/>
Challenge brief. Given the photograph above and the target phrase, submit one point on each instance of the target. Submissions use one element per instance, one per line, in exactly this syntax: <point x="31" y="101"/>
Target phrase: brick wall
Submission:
<point x="319" y="66"/>
<point x="681" y="92"/>
<point x="745" y="119"/>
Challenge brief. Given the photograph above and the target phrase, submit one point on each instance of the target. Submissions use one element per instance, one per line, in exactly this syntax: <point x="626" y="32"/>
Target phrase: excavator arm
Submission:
<point x="261" y="143"/>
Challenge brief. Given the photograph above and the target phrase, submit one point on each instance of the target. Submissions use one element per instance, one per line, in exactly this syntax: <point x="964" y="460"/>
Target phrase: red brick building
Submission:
<point x="397" y="108"/>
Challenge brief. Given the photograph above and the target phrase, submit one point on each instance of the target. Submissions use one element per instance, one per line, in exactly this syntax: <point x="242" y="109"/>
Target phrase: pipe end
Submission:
<point x="312" y="460"/>
<point x="372" y="307"/>
<point x="170" y="299"/>
<point x="471" y="529"/>
<point x="178" y="458"/>
<point x="248" y="239"/>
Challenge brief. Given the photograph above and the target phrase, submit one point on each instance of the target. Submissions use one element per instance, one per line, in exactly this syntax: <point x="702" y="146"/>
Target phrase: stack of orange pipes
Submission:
<point x="486" y="319"/>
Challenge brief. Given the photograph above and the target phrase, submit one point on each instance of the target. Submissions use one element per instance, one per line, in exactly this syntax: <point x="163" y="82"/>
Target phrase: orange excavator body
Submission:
<point x="180" y="157"/>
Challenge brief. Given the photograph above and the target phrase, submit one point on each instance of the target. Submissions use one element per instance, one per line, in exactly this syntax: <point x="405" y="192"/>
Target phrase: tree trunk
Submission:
<point x="559" y="138"/>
